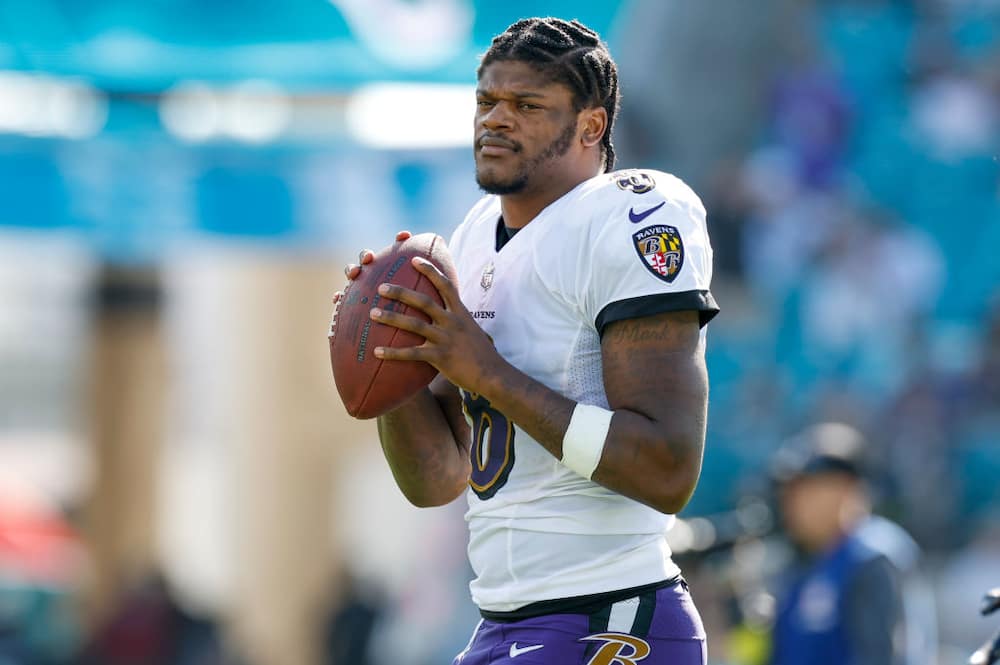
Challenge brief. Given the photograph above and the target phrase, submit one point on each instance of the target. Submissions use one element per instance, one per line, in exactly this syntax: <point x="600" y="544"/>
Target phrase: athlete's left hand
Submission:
<point x="455" y="344"/>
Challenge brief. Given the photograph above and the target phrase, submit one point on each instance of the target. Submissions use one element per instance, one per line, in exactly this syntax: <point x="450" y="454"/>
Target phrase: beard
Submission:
<point x="518" y="182"/>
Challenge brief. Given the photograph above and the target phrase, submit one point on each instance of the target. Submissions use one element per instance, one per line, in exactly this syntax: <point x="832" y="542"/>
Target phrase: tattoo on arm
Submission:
<point x="665" y="330"/>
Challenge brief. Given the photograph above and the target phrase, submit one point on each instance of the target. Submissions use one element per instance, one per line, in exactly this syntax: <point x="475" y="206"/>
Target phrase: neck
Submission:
<point x="519" y="209"/>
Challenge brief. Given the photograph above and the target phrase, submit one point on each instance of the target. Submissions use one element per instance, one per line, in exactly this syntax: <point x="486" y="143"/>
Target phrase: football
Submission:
<point x="369" y="386"/>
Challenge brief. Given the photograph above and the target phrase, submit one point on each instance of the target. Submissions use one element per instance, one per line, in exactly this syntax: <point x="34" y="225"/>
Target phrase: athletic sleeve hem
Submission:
<point x="699" y="300"/>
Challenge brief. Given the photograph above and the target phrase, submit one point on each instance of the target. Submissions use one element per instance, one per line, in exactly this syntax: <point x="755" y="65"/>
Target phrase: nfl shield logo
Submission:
<point x="487" y="279"/>
<point x="661" y="250"/>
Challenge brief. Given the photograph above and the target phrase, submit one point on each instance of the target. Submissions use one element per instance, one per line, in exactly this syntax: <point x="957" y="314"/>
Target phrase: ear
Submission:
<point x="594" y="122"/>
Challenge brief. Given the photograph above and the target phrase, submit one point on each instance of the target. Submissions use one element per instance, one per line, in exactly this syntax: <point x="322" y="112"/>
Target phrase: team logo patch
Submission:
<point x="618" y="649"/>
<point x="638" y="182"/>
<point x="661" y="250"/>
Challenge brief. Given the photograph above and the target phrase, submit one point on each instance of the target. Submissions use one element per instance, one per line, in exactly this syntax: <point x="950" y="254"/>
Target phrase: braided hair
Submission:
<point x="573" y="55"/>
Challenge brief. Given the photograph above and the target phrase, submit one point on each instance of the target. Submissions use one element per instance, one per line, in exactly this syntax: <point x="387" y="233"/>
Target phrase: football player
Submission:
<point x="572" y="396"/>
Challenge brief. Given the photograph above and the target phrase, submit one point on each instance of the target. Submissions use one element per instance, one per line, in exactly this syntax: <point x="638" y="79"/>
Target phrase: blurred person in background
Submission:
<point x="592" y="284"/>
<point x="351" y="623"/>
<point x="854" y="595"/>
<point x="148" y="626"/>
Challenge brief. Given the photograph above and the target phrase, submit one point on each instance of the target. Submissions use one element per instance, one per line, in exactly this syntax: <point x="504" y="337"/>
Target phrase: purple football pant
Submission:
<point x="656" y="628"/>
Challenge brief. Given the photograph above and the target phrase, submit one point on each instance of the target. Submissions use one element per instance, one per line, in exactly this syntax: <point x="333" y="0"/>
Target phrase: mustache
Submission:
<point x="497" y="140"/>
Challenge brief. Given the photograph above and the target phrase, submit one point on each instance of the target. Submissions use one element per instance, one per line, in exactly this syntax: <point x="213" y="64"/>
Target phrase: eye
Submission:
<point x="483" y="103"/>
<point x="525" y="106"/>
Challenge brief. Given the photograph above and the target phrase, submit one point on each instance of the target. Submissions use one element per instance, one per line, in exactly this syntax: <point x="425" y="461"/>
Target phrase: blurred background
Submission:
<point x="182" y="181"/>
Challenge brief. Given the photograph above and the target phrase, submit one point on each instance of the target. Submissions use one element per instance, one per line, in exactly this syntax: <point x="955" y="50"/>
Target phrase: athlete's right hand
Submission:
<point x="365" y="256"/>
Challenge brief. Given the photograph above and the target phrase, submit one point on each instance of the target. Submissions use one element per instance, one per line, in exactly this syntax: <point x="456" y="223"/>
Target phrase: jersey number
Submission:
<point x="492" y="450"/>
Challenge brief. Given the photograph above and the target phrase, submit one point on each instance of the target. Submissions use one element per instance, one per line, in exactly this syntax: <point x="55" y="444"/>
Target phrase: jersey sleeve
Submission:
<point x="660" y="263"/>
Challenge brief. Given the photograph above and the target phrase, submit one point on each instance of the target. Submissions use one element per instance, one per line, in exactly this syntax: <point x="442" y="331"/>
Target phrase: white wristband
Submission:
<point x="583" y="442"/>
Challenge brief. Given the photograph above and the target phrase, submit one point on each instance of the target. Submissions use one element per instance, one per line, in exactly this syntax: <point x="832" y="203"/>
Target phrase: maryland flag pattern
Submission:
<point x="661" y="249"/>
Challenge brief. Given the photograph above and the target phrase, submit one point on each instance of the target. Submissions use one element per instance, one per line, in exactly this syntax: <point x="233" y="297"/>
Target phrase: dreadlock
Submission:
<point x="573" y="55"/>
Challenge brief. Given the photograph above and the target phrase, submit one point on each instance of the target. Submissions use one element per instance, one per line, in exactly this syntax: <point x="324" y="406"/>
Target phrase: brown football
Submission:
<point x="367" y="385"/>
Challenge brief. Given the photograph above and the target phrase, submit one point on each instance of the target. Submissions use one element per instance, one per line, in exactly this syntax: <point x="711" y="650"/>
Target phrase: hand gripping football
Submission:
<point x="367" y="385"/>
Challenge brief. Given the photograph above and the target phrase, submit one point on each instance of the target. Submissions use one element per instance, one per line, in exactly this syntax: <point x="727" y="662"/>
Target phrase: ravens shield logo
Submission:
<point x="661" y="249"/>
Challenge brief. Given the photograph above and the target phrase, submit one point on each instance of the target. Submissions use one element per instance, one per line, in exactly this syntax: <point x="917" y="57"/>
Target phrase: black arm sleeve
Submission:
<point x="874" y="613"/>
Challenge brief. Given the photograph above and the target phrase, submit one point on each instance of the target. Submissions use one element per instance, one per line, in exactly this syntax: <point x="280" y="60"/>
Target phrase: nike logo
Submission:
<point x="515" y="652"/>
<point x="636" y="217"/>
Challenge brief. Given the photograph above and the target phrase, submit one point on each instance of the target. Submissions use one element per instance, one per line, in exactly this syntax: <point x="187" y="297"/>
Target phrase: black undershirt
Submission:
<point x="504" y="233"/>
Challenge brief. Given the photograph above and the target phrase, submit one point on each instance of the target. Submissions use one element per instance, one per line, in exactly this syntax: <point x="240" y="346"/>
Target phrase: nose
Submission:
<point x="496" y="117"/>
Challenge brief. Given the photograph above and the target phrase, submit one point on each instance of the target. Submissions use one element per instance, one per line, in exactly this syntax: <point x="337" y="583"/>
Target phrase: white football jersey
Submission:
<point x="618" y="246"/>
